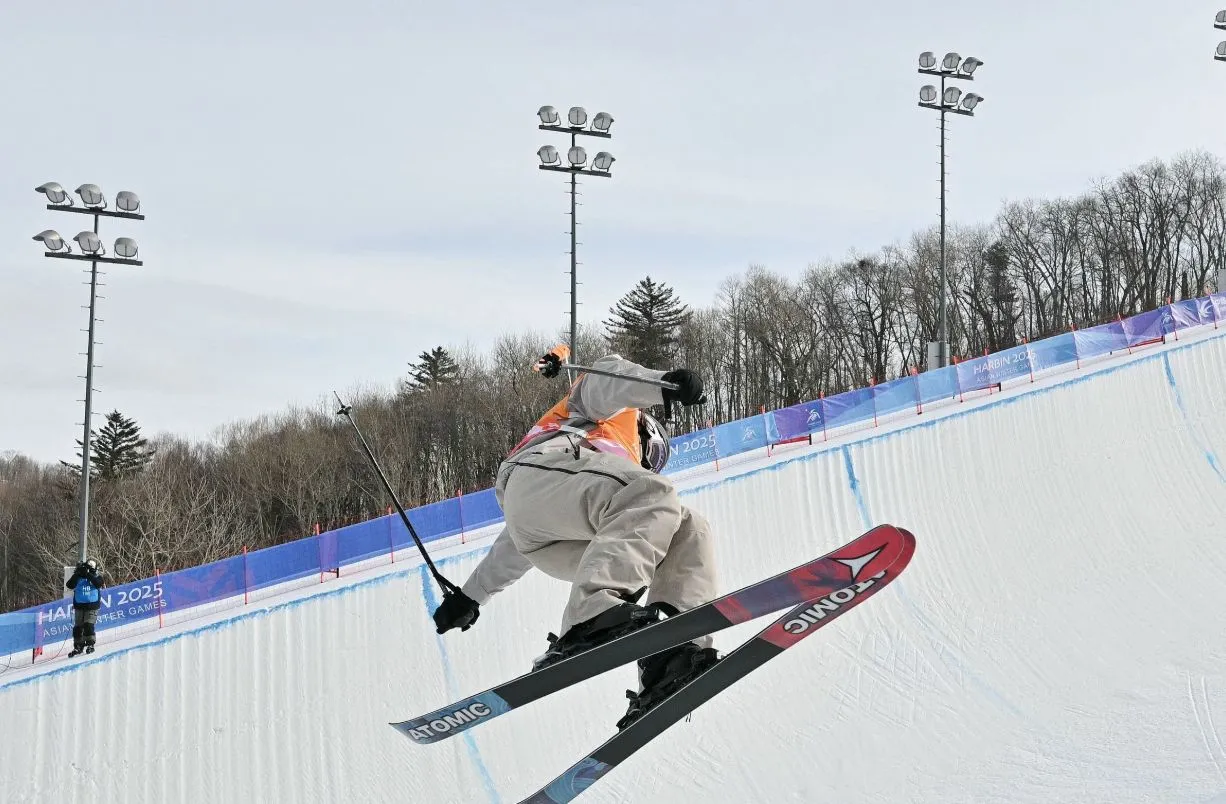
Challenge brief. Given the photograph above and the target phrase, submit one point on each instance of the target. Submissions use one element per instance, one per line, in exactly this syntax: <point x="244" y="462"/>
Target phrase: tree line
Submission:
<point x="769" y="340"/>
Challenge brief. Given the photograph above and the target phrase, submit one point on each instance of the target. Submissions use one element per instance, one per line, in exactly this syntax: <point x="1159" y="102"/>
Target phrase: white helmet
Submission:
<point x="653" y="440"/>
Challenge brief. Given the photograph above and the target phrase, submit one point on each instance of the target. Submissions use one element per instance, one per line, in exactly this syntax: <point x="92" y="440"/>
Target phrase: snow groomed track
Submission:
<point x="1058" y="637"/>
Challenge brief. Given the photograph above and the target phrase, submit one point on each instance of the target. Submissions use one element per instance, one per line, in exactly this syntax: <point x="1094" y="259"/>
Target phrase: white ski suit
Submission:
<point x="595" y="518"/>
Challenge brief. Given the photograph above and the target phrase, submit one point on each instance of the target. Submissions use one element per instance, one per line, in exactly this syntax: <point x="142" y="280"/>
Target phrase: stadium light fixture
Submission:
<point x="127" y="201"/>
<point x="90" y="243"/>
<point x="52" y="241"/>
<point x="548" y="115"/>
<point x="126" y="247"/>
<point x="55" y="194"/>
<point x="91" y="196"/>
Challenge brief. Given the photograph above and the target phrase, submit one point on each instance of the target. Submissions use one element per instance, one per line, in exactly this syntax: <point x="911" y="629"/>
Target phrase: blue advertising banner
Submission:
<point x="52" y="622"/>
<point x="849" y="408"/>
<point x="740" y="436"/>
<point x="1010" y="364"/>
<point x="973" y="375"/>
<point x="285" y="562"/>
<point x="894" y="396"/>
<point x="1052" y="352"/>
<point x="1101" y="340"/>
<point x="480" y="509"/>
<point x="691" y="450"/>
<point x="204" y="584"/>
<point x="937" y="384"/>
<point x="17" y="631"/>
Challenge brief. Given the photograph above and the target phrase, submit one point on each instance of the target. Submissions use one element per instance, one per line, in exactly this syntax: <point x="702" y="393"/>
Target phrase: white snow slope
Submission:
<point x="1059" y="636"/>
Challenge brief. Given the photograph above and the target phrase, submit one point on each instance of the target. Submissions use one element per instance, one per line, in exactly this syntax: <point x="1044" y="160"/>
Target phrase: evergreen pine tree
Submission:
<point x="646" y="324"/>
<point x="1003" y="334"/>
<point x="117" y="450"/>
<point x="432" y="369"/>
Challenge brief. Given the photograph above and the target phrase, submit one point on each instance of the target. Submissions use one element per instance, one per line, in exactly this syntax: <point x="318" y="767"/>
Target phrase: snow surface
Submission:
<point x="1057" y="637"/>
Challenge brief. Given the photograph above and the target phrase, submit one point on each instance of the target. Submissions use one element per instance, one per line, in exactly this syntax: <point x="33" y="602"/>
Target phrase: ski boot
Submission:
<point x="76" y="651"/>
<point x="89" y="648"/>
<point x="604" y="627"/>
<point x="664" y="673"/>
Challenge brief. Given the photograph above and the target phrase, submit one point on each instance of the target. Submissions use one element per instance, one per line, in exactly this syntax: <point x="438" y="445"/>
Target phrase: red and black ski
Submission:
<point x="861" y="578"/>
<point x="878" y="549"/>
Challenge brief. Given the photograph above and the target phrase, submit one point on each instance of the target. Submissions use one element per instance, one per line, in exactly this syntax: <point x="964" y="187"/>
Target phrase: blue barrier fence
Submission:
<point x="32" y="628"/>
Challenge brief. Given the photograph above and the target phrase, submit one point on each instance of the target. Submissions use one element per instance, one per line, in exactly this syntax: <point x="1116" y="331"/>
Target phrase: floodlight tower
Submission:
<point x="943" y="101"/>
<point x="1219" y="22"/>
<point x="577" y="124"/>
<point x="93" y="203"/>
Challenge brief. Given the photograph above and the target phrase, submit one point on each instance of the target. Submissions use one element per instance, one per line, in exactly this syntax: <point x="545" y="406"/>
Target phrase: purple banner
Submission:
<point x="1187" y="313"/>
<point x="797" y="420"/>
<point x="1149" y="326"/>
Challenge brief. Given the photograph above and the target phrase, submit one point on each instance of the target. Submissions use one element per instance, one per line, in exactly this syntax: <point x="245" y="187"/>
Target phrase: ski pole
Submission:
<point x="448" y="587"/>
<point x="672" y="386"/>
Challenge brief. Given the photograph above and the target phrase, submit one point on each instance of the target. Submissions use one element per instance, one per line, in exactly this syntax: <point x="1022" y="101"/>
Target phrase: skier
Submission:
<point x="85" y="583"/>
<point x="585" y="502"/>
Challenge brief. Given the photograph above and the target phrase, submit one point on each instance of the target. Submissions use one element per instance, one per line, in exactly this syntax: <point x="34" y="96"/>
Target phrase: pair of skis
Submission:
<point x="817" y="593"/>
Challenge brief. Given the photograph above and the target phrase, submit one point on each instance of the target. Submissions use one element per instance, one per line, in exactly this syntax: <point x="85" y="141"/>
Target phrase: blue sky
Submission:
<point x="332" y="188"/>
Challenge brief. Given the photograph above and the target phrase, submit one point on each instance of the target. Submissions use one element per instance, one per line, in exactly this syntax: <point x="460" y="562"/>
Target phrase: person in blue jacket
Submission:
<point x="86" y="585"/>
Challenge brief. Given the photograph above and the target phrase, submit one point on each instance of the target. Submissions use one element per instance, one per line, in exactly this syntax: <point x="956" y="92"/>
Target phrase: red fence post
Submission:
<point x="460" y="502"/>
<point x="391" y="540"/>
<point x="158" y="575"/>
<point x="245" y="575"/>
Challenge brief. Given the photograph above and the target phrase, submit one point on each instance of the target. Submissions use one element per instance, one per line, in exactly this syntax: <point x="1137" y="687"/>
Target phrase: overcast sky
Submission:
<point x="333" y="187"/>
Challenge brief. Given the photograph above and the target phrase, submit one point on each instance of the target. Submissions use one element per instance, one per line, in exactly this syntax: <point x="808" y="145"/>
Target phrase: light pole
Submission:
<point x="1219" y="22"/>
<point x="92" y="250"/>
<point x="946" y="100"/>
<point x="602" y="163"/>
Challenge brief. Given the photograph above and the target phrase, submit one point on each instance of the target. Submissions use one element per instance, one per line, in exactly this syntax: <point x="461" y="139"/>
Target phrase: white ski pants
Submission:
<point x="610" y="527"/>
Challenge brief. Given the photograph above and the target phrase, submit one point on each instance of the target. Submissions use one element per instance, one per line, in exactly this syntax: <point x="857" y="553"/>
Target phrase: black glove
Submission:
<point x="549" y="366"/>
<point x="457" y="610"/>
<point x="689" y="388"/>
